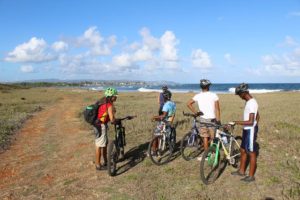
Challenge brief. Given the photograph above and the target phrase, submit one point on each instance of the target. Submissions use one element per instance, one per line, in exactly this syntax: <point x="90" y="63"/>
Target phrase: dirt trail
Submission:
<point x="45" y="156"/>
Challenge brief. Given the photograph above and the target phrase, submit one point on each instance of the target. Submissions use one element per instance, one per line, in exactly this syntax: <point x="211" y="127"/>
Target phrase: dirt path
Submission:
<point x="45" y="156"/>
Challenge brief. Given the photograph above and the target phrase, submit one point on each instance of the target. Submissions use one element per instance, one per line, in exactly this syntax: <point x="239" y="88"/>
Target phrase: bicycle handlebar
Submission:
<point x="129" y="117"/>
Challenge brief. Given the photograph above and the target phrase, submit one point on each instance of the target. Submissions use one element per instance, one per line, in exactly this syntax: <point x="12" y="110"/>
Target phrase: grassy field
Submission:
<point x="18" y="104"/>
<point x="277" y="176"/>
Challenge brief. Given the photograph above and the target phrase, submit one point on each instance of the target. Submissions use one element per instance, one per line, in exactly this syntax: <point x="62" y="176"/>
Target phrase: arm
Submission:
<point x="246" y="123"/>
<point x="257" y="117"/>
<point x="217" y="111"/>
<point x="159" y="117"/>
<point x="190" y="106"/>
<point x="111" y="115"/>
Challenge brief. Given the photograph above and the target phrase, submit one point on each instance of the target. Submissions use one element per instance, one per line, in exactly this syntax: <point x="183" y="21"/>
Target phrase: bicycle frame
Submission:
<point x="217" y="141"/>
<point x="194" y="131"/>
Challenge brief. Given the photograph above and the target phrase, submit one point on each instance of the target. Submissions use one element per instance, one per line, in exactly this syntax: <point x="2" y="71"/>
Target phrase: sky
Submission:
<point x="254" y="41"/>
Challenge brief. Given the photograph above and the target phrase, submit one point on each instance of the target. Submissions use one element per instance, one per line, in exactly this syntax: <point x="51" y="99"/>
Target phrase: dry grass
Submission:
<point x="277" y="176"/>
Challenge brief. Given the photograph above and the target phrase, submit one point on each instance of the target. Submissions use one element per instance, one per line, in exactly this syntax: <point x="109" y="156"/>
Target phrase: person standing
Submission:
<point x="167" y="116"/>
<point x="208" y="103"/>
<point x="250" y="123"/>
<point x="161" y="100"/>
<point x="106" y="113"/>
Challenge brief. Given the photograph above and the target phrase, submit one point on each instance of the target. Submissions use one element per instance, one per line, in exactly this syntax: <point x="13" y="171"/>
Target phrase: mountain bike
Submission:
<point x="191" y="144"/>
<point x="163" y="144"/>
<point x="224" y="149"/>
<point x="116" y="146"/>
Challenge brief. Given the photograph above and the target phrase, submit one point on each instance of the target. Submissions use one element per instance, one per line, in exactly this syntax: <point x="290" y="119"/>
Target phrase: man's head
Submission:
<point x="242" y="90"/>
<point x="167" y="95"/>
<point x="111" y="94"/>
<point x="164" y="87"/>
<point x="204" y="84"/>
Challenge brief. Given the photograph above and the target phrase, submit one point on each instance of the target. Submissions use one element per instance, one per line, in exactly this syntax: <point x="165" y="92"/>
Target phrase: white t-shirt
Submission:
<point x="250" y="107"/>
<point x="206" y="102"/>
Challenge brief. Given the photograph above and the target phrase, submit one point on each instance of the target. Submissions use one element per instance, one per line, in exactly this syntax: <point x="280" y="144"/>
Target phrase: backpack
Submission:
<point x="90" y="113"/>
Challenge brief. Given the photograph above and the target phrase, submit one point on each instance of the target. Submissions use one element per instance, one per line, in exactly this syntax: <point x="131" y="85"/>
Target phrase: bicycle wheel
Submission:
<point x="163" y="152"/>
<point x="209" y="165"/>
<point x="191" y="146"/>
<point x="112" y="158"/>
<point x="235" y="152"/>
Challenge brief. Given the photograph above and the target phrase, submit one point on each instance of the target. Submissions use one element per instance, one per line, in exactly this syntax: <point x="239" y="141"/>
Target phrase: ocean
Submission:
<point x="220" y="88"/>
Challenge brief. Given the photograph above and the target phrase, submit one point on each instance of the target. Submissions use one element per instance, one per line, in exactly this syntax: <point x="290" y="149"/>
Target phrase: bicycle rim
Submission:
<point x="112" y="158"/>
<point x="162" y="154"/>
<point x="191" y="146"/>
<point x="209" y="168"/>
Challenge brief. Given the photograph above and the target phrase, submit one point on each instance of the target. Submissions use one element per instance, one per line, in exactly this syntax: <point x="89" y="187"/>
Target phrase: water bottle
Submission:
<point x="224" y="138"/>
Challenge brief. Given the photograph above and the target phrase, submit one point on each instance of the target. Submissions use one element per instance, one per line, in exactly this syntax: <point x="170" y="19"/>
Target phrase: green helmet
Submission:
<point x="109" y="92"/>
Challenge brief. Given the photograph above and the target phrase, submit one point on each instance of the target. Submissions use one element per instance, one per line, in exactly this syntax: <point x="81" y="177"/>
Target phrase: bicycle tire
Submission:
<point x="209" y="172"/>
<point x="236" y="150"/>
<point x="112" y="158"/>
<point x="190" y="151"/>
<point x="161" y="156"/>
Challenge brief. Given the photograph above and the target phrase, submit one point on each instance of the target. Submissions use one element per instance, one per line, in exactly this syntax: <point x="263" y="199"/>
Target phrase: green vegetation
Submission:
<point x="18" y="103"/>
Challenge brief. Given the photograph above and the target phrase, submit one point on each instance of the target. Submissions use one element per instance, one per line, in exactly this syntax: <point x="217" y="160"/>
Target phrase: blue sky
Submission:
<point x="183" y="41"/>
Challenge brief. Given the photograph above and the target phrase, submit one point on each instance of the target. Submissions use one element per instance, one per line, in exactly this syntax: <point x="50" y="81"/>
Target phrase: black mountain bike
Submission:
<point x="191" y="144"/>
<point x="116" y="146"/>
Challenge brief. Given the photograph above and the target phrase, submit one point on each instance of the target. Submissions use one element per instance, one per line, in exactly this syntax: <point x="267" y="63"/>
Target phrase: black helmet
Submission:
<point x="243" y="87"/>
<point x="164" y="87"/>
<point x="167" y="94"/>
<point x="204" y="83"/>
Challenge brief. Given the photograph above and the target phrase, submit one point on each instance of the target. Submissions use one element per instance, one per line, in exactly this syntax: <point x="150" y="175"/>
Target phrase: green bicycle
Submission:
<point x="224" y="149"/>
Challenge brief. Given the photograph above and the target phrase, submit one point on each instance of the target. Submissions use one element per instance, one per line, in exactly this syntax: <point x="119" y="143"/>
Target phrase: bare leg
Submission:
<point x="98" y="156"/>
<point x="243" y="161"/>
<point x="206" y="141"/>
<point x="252" y="163"/>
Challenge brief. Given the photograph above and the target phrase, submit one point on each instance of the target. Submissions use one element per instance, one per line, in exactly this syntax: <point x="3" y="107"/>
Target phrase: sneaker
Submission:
<point x="248" y="179"/>
<point x="98" y="167"/>
<point x="122" y="157"/>
<point x="103" y="167"/>
<point x="237" y="173"/>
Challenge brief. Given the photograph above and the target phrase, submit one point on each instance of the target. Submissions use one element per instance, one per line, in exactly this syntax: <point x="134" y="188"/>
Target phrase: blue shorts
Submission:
<point x="249" y="139"/>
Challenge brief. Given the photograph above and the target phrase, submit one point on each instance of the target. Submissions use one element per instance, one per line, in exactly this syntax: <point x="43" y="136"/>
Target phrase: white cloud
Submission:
<point x="123" y="60"/>
<point x="168" y="46"/>
<point x="60" y="46"/>
<point x="287" y="65"/>
<point x="32" y="51"/>
<point x="95" y="42"/>
<point x="228" y="58"/>
<point x="26" y="69"/>
<point x="148" y="40"/>
<point x="289" y="42"/>
<point x="201" y="59"/>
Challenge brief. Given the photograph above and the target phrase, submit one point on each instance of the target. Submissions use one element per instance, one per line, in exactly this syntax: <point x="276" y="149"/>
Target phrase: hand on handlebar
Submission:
<point x="231" y="123"/>
<point x="199" y="113"/>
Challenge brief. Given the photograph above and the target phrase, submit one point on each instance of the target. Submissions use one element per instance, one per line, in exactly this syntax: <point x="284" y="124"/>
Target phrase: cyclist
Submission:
<point x="168" y="114"/>
<point x="208" y="103"/>
<point x="160" y="99"/>
<point x="106" y="113"/>
<point x="250" y="123"/>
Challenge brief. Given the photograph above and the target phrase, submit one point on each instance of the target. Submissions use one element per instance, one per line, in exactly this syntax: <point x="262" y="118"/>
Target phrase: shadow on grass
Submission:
<point x="132" y="158"/>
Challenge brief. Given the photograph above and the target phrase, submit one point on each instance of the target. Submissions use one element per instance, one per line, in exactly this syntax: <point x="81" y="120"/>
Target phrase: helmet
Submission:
<point x="109" y="92"/>
<point x="204" y="83"/>
<point x="167" y="94"/>
<point x="164" y="87"/>
<point x="243" y="87"/>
